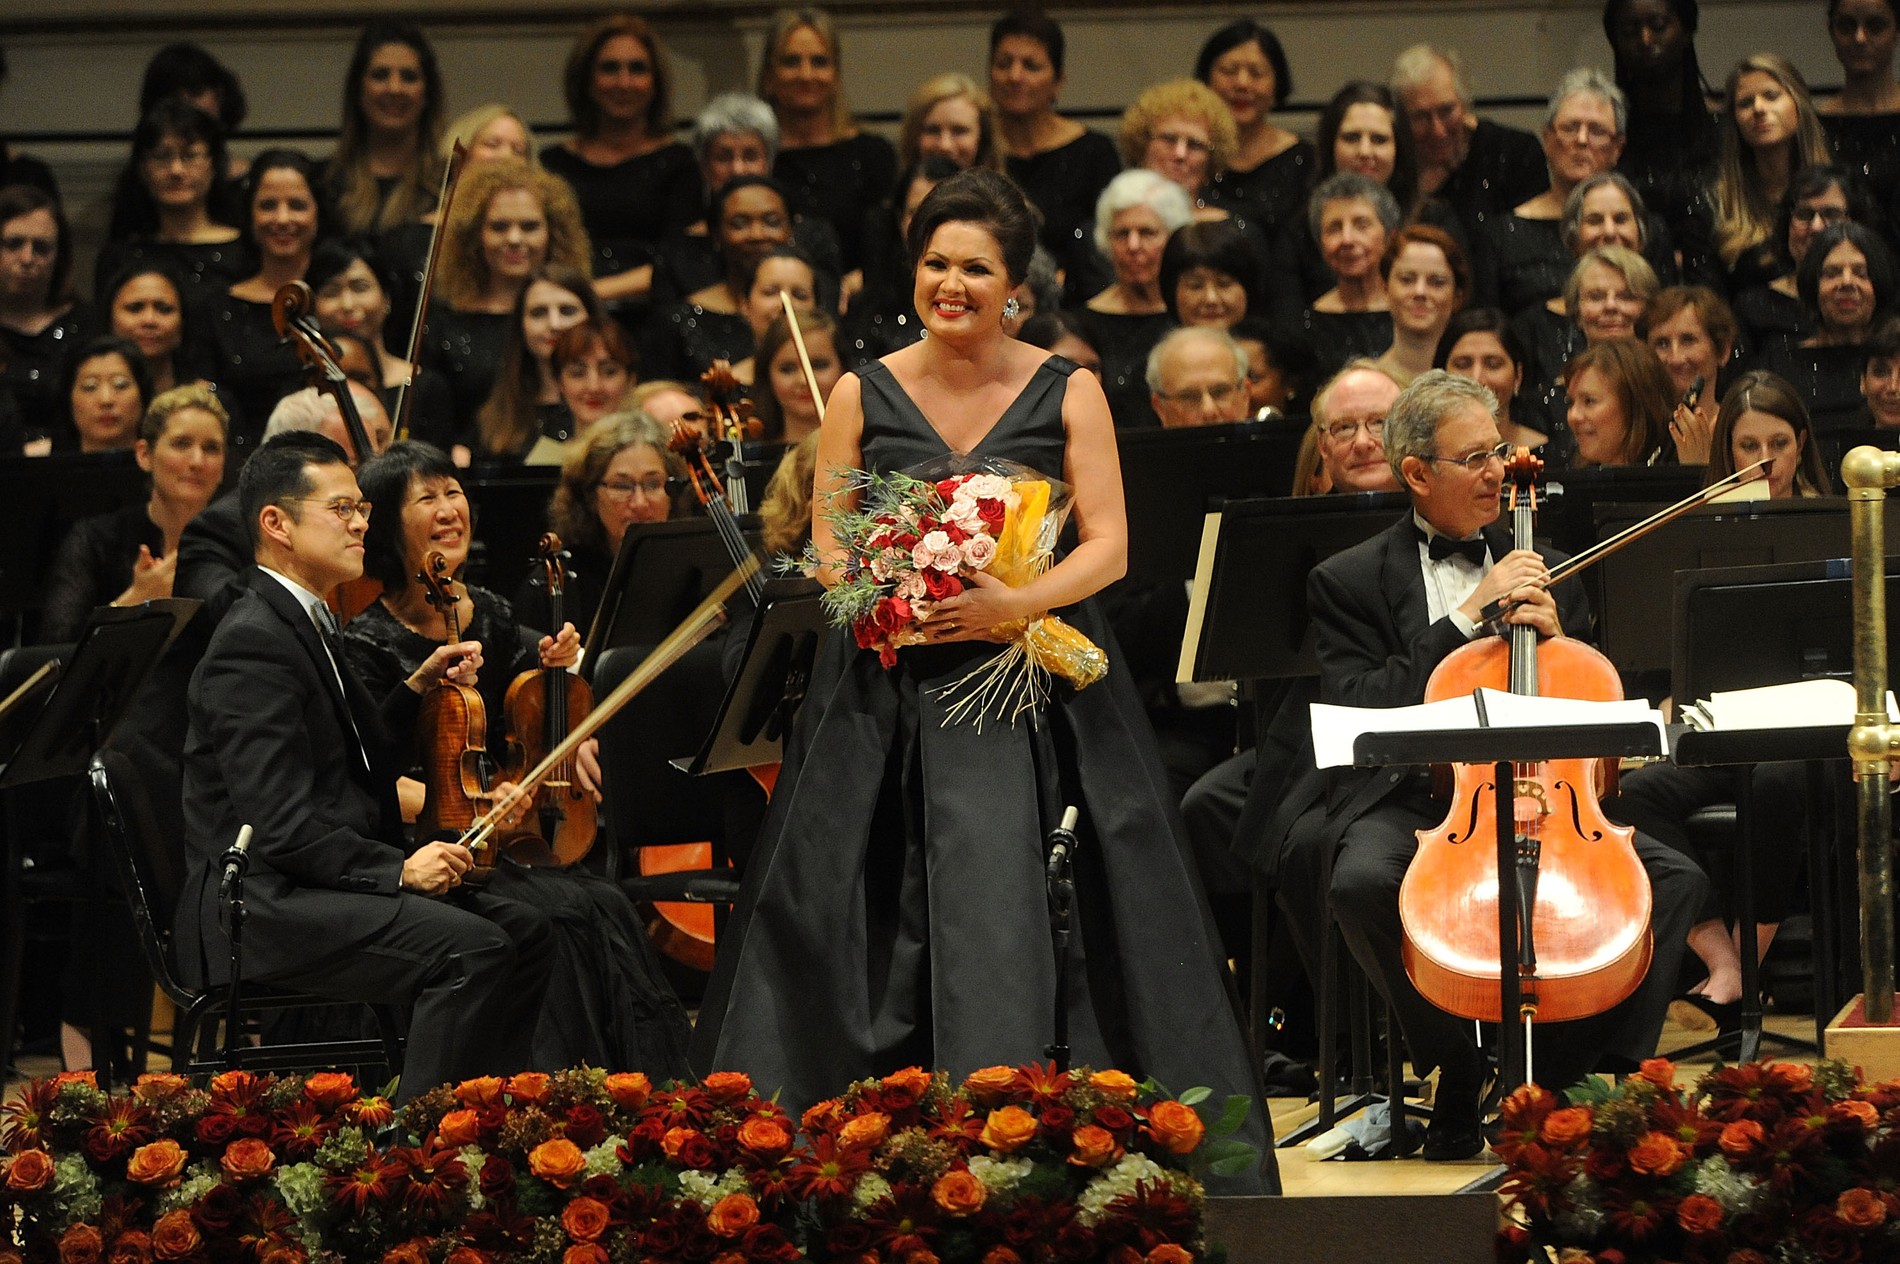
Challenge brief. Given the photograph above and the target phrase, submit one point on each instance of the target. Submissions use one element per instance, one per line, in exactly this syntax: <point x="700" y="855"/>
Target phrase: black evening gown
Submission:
<point x="1338" y="337"/>
<point x="631" y="206"/>
<point x="1549" y="340"/>
<point x="464" y="349"/>
<point x="682" y="341"/>
<point x="1273" y="194"/>
<point x="1827" y="379"/>
<point x="608" y="1003"/>
<point x="255" y="367"/>
<point x="205" y="267"/>
<point x="1123" y="341"/>
<point x="1773" y="325"/>
<point x="32" y="368"/>
<point x="894" y="911"/>
<point x="1503" y="168"/>
<point x="1869" y="146"/>
<point x="1063" y="184"/>
<point x="839" y="182"/>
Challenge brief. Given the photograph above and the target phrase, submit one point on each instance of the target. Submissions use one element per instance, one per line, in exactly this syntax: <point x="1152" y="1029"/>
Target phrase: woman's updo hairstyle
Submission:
<point x="983" y="197"/>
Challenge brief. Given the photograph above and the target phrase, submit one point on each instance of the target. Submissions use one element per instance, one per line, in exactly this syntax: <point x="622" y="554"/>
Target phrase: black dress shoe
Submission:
<point x="1455" y="1131"/>
<point x="1727" y="1015"/>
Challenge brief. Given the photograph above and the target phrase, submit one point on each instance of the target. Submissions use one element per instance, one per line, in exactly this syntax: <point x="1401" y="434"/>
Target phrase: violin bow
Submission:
<point x="804" y="356"/>
<point x="451" y="174"/>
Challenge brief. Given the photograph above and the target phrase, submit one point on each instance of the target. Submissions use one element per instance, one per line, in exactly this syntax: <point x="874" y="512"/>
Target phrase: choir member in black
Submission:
<point x="1062" y="332"/>
<point x="170" y="204"/>
<point x="948" y="114"/>
<point x="185" y="70"/>
<point x="1671" y="125"/>
<point x="1279" y="371"/>
<point x="593" y="368"/>
<point x="146" y="305"/>
<point x="352" y="293"/>
<point x="39" y="317"/>
<point x="1771" y="131"/>
<point x="883" y="314"/>
<point x="1136" y="214"/>
<point x="507" y="220"/>
<point x="18" y="168"/>
<point x="1351" y="217"/>
<point x="286" y="215"/>
<point x="607" y="1005"/>
<point x="1061" y="165"/>
<point x="829" y="168"/>
<point x="618" y="476"/>
<point x="386" y="171"/>
<point x="1863" y="119"/>
<point x="1521" y="260"/>
<point x="1476" y="167"/>
<point x="636" y="184"/>
<point x="736" y="134"/>
<point x="1847" y="284"/>
<point x="1620" y="407"/>
<point x="1426" y="281"/>
<point x="129" y="556"/>
<point x="491" y="133"/>
<point x="1605" y="296"/>
<point x="1880" y="379"/>
<point x="781" y="396"/>
<point x="1479" y="344"/>
<point x="105" y="387"/>
<point x="526" y="405"/>
<point x="1761" y="418"/>
<point x="1385" y="614"/>
<point x="1773" y="319"/>
<point x="751" y="217"/>
<point x="1266" y="179"/>
<point x="1692" y="331"/>
<point x="1211" y="274"/>
<point x="785" y="272"/>
<point x="1182" y="130"/>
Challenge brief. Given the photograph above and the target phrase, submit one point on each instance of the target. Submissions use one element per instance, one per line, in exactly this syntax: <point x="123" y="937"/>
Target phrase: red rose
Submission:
<point x="130" y="1247"/>
<point x="498" y="1177"/>
<point x="992" y="511"/>
<point x="81" y="1244"/>
<point x="584" y="1126"/>
<point x="699" y="1153"/>
<point x="940" y="585"/>
<point x="1114" y="1118"/>
<point x="1698" y="1213"/>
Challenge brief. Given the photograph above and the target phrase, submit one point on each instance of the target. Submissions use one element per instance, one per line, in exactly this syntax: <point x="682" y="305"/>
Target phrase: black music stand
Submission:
<point x="45" y="496"/>
<point x="663" y="571"/>
<point x="1505" y="747"/>
<point x="508" y="511"/>
<point x="1171" y="478"/>
<point x="1576" y="501"/>
<point x="766" y="691"/>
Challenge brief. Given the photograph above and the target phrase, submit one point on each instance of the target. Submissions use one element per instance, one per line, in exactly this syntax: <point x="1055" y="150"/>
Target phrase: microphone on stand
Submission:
<point x="234" y="861"/>
<point x="1062" y="843"/>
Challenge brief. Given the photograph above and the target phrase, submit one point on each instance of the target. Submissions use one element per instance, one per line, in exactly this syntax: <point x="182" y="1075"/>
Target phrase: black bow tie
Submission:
<point x="1440" y="547"/>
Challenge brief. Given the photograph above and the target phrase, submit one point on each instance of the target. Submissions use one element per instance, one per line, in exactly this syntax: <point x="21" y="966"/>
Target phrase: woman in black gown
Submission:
<point x="894" y="910"/>
<point x="608" y="1004"/>
<point x="1863" y="119"/>
<point x="1266" y="179"/>
<point x="39" y="317"/>
<point x="1848" y="283"/>
<point x="1137" y="213"/>
<point x="169" y="205"/>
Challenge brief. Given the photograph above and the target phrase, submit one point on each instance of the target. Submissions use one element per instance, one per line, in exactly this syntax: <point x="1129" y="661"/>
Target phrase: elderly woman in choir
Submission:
<point x="1133" y="220"/>
<point x="1182" y="130"/>
<point x="1211" y="274"/>
<point x="1608" y="291"/>
<point x="1351" y="217"/>
<point x="618" y="476"/>
<point x="1692" y="332"/>
<point x="1773" y="321"/>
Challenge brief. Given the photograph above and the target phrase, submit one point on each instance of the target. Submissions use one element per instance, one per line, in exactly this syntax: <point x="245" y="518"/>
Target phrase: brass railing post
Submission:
<point x="1868" y="472"/>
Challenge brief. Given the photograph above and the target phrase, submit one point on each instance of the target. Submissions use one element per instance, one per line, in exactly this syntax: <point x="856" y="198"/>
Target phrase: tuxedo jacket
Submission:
<point x="274" y="743"/>
<point x="1377" y="645"/>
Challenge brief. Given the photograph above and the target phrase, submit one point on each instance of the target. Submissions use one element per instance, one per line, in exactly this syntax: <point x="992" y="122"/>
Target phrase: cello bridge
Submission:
<point x="1529" y="800"/>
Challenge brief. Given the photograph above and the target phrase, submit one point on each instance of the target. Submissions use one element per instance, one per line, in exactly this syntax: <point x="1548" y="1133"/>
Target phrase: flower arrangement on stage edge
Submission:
<point x="913" y="540"/>
<point x="1016" y="1164"/>
<point x="1761" y="1162"/>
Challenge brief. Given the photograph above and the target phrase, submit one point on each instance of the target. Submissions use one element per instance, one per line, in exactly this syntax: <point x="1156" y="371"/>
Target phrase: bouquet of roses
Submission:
<point x="911" y="541"/>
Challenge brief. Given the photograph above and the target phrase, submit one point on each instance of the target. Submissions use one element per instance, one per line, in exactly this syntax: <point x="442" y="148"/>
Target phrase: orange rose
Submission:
<point x="766" y="1136"/>
<point x="1698" y="1213"/>
<point x="629" y="1089"/>
<point x="282" y="1253"/>
<point x="1789" y="1077"/>
<point x="414" y="1251"/>
<point x="1657" y="1155"/>
<point x="1175" y="1126"/>
<point x="1862" y="1113"/>
<point x="89" y="1079"/>
<point x="330" y="1089"/>
<point x="1169" y="1253"/>
<point x="157" y="1164"/>
<point x="585" y="1219"/>
<point x="459" y="1128"/>
<point x="1567" y="1127"/>
<point x="559" y="1162"/>
<point x="912" y="1079"/>
<point x="529" y="1086"/>
<point x="233" y="1083"/>
<point x="30" y="1172"/>
<point x="81" y="1244"/>
<point x="727" y="1087"/>
<point x="247" y="1159"/>
<point x="585" y="1253"/>
<point x="1117" y="1086"/>
<point x="156" y="1087"/>
<point x="131" y="1247"/>
<point x="1861" y="1208"/>
<point x="1658" y="1071"/>
<point x="1741" y="1138"/>
<point x="1001" y="1255"/>
<point x="465" y="1255"/>
<point x="485" y="1091"/>
<point x="175" y="1235"/>
<point x="865" y="1131"/>
<point x="732" y="1215"/>
<point x="820" y="1116"/>
<point x="1008" y="1129"/>
<point x="675" y="1140"/>
<point x="1094" y="1146"/>
<point x="991" y="1084"/>
<point x="958" y="1193"/>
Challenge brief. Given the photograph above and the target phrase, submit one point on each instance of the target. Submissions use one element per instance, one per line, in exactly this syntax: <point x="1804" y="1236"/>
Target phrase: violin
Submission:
<point x="1584" y="940"/>
<point x="451" y="733"/>
<point x="405" y="394"/>
<point x="541" y="706"/>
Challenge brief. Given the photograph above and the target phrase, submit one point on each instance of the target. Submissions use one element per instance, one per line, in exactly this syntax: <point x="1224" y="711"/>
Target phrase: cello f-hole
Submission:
<point x="1471" y="825"/>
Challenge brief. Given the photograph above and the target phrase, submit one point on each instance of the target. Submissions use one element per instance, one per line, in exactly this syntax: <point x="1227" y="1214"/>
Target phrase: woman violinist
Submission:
<point x="610" y="1007"/>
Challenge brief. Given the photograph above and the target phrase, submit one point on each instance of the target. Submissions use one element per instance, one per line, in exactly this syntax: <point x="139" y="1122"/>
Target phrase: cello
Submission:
<point x="542" y="705"/>
<point x="1584" y="941"/>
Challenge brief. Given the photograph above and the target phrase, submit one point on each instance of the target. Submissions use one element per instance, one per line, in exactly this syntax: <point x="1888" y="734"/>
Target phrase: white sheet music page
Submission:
<point x="1336" y="728"/>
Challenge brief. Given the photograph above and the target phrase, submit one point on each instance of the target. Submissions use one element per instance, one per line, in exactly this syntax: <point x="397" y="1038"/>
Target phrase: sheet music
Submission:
<point x="1821" y="702"/>
<point x="1336" y="728"/>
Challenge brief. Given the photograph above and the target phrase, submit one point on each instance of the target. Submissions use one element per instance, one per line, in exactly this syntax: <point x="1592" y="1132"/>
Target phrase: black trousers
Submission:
<point x="1364" y="895"/>
<point x="472" y="968"/>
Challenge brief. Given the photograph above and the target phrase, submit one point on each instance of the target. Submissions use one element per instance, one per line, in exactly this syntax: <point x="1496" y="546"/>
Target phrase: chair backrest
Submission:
<point x="648" y="801"/>
<point x="135" y="846"/>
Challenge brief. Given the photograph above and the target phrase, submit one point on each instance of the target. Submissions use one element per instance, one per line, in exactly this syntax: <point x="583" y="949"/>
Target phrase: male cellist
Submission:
<point x="285" y="739"/>
<point x="1384" y="614"/>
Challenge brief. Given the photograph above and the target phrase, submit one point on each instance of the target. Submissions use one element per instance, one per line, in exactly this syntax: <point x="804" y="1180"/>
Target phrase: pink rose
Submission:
<point x="935" y="550"/>
<point x="978" y="552"/>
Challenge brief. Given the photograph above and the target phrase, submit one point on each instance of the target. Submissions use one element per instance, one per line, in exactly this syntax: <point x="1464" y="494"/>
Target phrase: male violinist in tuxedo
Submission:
<point x="1385" y="613"/>
<point x="284" y="738"/>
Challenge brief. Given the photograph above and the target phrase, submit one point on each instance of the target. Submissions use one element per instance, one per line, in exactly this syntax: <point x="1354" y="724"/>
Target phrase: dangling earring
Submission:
<point x="1012" y="309"/>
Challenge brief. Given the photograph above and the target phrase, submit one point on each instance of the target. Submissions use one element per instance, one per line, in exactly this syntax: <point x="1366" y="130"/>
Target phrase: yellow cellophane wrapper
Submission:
<point x="1017" y="679"/>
